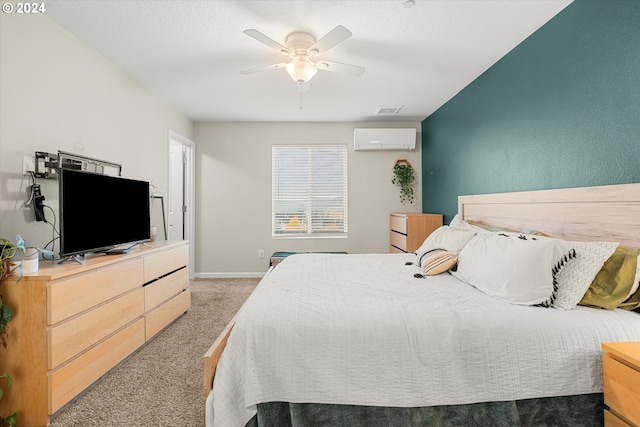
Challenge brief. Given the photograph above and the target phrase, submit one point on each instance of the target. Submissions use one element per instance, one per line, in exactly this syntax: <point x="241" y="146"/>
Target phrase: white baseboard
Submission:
<point x="257" y="275"/>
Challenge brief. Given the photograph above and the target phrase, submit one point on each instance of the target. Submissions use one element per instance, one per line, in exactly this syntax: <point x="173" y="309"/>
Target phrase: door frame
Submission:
<point x="189" y="193"/>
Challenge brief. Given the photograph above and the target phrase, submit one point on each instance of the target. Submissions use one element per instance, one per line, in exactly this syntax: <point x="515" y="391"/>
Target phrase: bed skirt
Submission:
<point x="583" y="410"/>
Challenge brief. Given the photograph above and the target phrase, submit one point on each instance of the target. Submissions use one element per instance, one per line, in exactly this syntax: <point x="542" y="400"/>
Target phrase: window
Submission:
<point x="309" y="190"/>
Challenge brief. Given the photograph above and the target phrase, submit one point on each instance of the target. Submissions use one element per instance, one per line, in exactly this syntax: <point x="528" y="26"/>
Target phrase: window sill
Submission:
<point x="309" y="236"/>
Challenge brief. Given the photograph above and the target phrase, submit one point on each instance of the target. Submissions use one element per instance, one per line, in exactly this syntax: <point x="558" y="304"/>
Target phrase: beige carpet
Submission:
<point x="161" y="384"/>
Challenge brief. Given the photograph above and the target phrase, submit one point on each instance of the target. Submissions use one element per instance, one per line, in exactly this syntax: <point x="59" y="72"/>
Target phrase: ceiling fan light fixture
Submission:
<point x="301" y="69"/>
<point x="301" y="47"/>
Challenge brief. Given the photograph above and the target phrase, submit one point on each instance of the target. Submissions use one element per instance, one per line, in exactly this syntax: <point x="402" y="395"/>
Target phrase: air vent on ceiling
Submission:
<point x="388" y="110"/>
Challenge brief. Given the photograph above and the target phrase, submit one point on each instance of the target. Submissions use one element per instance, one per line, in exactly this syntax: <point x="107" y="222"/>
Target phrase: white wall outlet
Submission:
<point x="28" y="164"/>
<point x="261" y="253"/>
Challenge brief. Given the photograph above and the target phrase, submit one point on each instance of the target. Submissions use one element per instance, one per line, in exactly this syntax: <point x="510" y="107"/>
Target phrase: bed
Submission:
<point x="368" y="339"/>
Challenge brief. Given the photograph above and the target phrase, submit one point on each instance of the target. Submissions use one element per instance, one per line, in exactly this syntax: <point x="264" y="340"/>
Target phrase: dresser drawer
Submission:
<point x="74" y="336"/>
<point x="394" y="250"/>
<point x="621" y="389"/>
<point x="399" y="223"/>
<point x="67" y="382"/>
<point x="399" y="241"/>
<point x="163" y="289"/>
<point x="161" y="263"/>
<point x="157" y="319"/>
<point x="71" y="296"/>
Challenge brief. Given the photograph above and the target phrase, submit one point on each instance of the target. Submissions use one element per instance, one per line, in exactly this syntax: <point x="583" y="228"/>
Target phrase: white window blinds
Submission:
<point x="309" y="190"/>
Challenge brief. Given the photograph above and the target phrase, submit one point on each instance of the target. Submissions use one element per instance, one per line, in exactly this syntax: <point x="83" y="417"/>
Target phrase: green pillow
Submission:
<point x="613" y="282"/>
<point x="632" y="303"/>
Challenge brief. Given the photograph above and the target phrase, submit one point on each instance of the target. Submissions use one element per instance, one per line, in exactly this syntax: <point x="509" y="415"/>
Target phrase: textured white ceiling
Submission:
<point x="190" y="52"/>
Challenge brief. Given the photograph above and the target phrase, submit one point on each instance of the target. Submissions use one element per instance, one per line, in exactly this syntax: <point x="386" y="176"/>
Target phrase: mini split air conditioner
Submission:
<point x="384" y="139"/>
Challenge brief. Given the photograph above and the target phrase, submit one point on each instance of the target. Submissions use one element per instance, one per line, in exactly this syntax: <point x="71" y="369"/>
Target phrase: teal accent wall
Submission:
<point x="562" y="109"/>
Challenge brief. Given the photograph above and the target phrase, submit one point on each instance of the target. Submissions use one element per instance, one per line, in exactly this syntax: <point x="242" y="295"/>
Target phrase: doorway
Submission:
<point x="180" y="195"/>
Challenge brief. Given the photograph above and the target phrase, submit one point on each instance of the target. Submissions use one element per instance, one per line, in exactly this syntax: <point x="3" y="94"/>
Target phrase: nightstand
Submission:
<point x="621" y="379"/>
<point x="408" y="230"/>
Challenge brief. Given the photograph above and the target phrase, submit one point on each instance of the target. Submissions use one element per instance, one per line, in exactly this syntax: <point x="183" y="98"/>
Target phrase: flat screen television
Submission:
<point x="100" y="212"/>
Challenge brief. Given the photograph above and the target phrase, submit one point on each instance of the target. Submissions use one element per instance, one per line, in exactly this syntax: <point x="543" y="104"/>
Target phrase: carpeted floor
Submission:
<point x="161" y="384"/>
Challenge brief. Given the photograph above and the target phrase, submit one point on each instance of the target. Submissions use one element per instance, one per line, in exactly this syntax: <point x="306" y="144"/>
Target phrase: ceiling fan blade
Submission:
<point x="264" y="68"/>
<point x="332" y="38"/>
<point x="337" y="67"/>
<point x="268" y="41"/>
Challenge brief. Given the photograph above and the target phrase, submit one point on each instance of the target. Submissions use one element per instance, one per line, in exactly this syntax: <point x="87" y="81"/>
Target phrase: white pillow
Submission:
<point x="461" y="224"/>
<point x="512" y="267"/>
<point x="446" y="238"/>
<point x="575" y="278"/>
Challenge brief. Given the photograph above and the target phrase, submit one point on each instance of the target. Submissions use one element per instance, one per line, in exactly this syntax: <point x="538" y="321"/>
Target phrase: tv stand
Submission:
<point x="77" y="258"/>
<point x="117" y="251"/>
<point x="120" y="251"/>
<point x="73" y="323"/>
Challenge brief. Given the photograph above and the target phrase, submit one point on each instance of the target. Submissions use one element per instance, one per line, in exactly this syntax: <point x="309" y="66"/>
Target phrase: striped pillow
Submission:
<point x="438" y="262"/>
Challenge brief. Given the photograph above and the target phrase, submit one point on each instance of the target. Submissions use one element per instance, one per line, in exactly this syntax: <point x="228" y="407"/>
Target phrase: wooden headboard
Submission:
<point x="605" y="213"/>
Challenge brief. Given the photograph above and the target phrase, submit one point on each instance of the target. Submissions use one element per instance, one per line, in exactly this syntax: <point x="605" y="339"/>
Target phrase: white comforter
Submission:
<point x="361" y="330"/>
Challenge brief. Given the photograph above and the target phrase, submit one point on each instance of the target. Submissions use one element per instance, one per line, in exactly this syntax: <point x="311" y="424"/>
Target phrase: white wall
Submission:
<point x="58" y="94"/>
<point x="233" y="193"/>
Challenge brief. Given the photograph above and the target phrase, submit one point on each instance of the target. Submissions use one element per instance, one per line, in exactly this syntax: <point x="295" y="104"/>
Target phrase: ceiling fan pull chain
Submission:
<point x="300" y="93"/>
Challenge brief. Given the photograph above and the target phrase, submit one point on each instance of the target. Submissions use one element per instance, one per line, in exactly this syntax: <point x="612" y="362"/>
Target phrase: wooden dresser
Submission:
<point x="621" y="379"/>
<point x="408" y="230"/>
<point x="72" y="323"/>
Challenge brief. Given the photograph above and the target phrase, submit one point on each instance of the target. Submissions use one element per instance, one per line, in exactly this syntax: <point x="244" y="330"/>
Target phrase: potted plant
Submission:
<point x="8" y="251"/>
<point x="404" y="177"/>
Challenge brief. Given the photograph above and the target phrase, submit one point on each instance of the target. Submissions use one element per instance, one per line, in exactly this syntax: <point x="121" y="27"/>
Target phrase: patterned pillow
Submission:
<point x="575" y="278"/>
<point x="437" y="262"/>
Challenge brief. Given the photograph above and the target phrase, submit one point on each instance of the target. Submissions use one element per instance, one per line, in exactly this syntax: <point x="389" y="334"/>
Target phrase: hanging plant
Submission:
<point x="404" y="178"/>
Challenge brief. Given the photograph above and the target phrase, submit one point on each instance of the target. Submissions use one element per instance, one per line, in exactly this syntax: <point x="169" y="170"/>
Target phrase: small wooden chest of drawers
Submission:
<point x="621" y="381"/>
<point x="408" y="230"/>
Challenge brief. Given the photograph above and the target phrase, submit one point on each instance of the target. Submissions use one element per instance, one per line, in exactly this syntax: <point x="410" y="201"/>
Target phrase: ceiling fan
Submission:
<point x="301" y="48"/>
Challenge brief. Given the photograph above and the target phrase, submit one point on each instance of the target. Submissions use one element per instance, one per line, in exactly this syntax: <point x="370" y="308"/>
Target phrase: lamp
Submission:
<point x="301" y="69"/>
